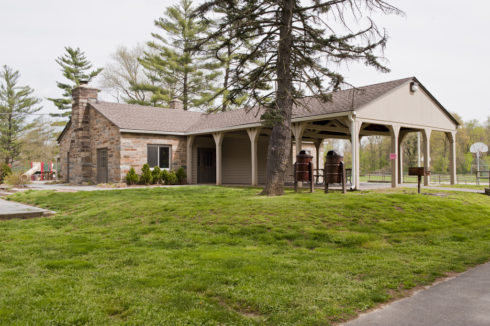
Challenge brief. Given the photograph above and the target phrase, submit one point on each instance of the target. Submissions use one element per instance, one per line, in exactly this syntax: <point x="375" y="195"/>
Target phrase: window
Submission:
<point x="159" y="156"/>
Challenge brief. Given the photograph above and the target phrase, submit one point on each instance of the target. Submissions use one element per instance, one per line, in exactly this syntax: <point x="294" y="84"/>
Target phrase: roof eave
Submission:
<point x="154" y="132"/>
<point x="437" y="102"/>
<point x="68" y="124"/>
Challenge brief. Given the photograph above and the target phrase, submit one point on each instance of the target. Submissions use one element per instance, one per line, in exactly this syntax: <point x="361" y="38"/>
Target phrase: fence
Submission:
<point x="434" y="178"/>
<point x="485" y="175"/>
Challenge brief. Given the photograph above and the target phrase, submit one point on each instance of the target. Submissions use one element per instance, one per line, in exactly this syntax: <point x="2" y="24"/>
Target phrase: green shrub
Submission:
<point x="172" y="178"/>
<point x="131" y="177"/>
<point x="16" y="179"/>
<point x="169" y="177"/>
<point x="145" y="177"/>
<point x="156" y="175"/>
<point x="181" y="175"/>
<point x="164" y="177"/>
<point x="4" y="171"/>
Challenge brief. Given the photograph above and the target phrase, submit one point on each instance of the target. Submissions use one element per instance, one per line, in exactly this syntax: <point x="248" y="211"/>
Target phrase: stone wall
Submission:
<point x="64" y="144"/>
<point x="134" y="149"/>
<point x="104" y="134"/>
<point x="78" y="147"/>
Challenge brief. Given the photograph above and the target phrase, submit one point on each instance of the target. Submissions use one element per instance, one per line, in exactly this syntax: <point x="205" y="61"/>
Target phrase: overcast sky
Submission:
<point x="445" y="44"/>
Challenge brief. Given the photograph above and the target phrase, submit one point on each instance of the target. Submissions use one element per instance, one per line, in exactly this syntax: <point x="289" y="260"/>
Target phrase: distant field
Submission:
<point x="221" y="255"/>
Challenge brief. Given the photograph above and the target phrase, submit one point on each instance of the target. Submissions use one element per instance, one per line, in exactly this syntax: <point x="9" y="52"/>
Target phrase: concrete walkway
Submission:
<point x="459" y="301"/>
<point x="10" y="210"/>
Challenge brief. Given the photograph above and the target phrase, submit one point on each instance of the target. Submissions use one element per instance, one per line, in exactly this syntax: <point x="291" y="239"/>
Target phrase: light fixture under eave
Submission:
<point x="414" y="86"/>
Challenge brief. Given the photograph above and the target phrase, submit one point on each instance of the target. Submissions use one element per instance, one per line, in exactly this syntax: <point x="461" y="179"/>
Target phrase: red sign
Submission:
<point x="392" y="156"/>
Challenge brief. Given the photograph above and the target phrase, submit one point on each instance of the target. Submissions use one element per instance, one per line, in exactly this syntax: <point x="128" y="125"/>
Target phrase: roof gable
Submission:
<point x="401" y="105"/>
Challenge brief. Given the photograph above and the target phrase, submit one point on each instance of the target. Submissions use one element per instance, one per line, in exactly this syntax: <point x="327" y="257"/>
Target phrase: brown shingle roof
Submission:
<point x="144" y="118"/>
<point x="147" y="118"/>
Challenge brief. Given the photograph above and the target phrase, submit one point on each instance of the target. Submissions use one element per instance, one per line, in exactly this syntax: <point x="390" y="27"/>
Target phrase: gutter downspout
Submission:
<point x="352" y="119"/>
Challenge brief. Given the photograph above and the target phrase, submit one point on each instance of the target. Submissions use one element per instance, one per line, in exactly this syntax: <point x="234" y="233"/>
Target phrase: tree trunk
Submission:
<point x="280" y="140"/>
<point x="227" y="76"/>
<point x="227" y="69"/>
<point x="185" y="91"/>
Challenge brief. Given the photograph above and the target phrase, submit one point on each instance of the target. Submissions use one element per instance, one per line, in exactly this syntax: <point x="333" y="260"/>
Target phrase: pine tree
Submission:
<point x="227" y="54"/>
<point x="296" y="47"/>
<point x="75" y="68"/>
<point x="174" y="67"/>
<point x="16" y="104"/>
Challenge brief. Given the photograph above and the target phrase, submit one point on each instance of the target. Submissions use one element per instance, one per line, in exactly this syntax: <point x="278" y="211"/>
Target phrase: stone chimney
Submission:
<point x="82" y="95"/>
<point x="176" y="104"/>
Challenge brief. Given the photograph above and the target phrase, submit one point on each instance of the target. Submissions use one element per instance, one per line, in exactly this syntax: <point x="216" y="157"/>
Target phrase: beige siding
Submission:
<point x="262" y="157"/>
<point x="237" y="165"/>
<point x="236" y="154"/>
<point x="407" y="108"/>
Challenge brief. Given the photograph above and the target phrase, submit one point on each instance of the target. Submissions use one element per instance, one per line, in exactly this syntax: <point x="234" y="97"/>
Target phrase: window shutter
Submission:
<point x="152" y="156"/>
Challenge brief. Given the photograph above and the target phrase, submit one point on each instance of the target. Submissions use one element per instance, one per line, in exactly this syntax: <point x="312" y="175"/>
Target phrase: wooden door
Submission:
<point x="206" y="165"/>
<point x="102" y="166"/>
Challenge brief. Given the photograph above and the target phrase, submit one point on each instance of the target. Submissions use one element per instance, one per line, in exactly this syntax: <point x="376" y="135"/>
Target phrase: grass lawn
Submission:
<point x="463" y="186"/>
<point x="219" y="255"/>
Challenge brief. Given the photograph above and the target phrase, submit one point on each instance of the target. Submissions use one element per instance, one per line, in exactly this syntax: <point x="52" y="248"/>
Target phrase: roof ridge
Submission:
<point x="145" y="107"/>
<point x="386" y="82"/>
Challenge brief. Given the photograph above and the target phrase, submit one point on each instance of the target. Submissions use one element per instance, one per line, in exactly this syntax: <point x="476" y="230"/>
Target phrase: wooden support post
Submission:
<point x="218" y="139"/>
<point x="298" y="129"/>
<point x="253" y="134"/>
<point x="452" y="156"/>
<point x="295" y="179"/>
<point x="419" y="179"/>
<point x="426" y="145"/>
<point x="395" y="131"/>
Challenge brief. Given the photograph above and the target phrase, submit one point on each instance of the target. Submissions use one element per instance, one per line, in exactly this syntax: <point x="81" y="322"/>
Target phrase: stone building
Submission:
<point x="102" y="141"/>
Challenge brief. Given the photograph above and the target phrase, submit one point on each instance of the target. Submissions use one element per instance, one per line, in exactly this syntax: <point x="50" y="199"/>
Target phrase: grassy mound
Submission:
<point x="218" y="255"/>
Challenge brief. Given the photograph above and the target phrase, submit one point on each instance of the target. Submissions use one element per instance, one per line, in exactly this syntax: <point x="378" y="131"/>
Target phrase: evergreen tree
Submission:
<point x="227" y="54"/>
<point x="75" y="68"/>
<point x="295" y="46"/>
<point x="16" y="104"/>
<point x="174" y="67"/>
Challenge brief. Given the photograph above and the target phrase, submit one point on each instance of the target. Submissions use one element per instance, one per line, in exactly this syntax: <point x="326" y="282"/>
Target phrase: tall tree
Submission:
<point x="75" y="68"/>
<point x="16" y="104"/>
<point x="176" y="69"/>
<point x="123" y="73"/>
<point x="227" y="55"/>
<point x="296" y="46"/>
